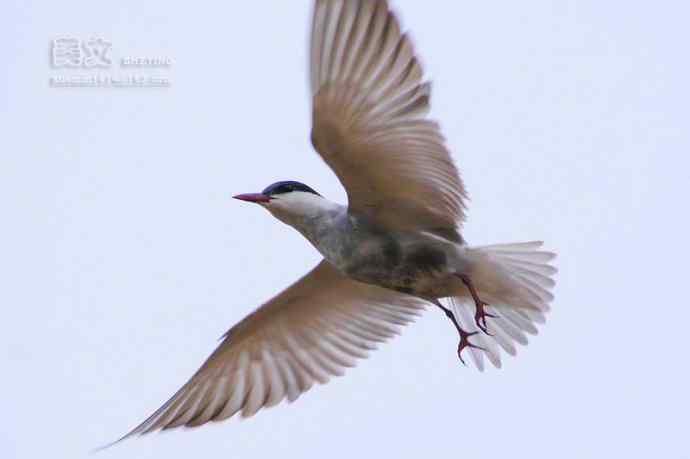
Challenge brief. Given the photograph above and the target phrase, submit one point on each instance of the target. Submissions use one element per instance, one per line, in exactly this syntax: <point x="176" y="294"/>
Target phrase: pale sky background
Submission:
<point x="124" y="258"/>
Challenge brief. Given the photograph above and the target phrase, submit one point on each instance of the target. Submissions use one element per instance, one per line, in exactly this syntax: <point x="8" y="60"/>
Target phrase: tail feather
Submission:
<point x="536" y="268"/>
<point x="535" y="316"/>
<point x="514" y="274"/>
<point x="516" y="280"/>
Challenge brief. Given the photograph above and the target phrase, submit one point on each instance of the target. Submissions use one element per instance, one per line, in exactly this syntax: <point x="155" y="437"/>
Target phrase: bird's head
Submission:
<point x="289" y="201"/>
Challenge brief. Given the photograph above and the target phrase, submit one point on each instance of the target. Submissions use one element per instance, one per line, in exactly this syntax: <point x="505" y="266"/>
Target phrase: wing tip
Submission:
<point x="111" y="444"/>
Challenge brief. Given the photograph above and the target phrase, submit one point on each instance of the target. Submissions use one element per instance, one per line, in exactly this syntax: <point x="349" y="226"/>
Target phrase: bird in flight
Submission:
<point x="395" y="249"/>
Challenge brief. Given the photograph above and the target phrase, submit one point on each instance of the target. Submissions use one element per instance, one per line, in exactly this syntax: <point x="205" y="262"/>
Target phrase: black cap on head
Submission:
<point x="287" y="187"/>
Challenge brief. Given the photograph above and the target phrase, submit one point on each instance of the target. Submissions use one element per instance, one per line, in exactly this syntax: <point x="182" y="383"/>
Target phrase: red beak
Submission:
<point x="253" y="197"/>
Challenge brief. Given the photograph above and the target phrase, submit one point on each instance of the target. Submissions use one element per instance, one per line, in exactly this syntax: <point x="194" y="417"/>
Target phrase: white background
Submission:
<point x="124" y="256"/>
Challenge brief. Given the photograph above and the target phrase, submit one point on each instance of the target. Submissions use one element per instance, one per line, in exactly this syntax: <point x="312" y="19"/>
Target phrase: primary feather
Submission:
<point x="307" y="334"/>
<point x="369" y="123"/>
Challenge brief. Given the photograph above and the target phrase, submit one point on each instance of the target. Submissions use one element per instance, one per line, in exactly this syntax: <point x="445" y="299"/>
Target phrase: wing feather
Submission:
<point x="309" y="333"/>
<point x="369" y="125"/>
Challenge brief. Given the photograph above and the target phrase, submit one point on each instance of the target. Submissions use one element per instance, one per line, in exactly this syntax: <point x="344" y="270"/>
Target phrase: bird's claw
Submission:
<point x="465" y="343"/>
<point x="481" y="314"/>
<point x="480" y="317"/>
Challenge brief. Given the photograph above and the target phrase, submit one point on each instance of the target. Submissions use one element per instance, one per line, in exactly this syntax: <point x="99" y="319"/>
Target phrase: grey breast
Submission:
<point x="404" y="261"/>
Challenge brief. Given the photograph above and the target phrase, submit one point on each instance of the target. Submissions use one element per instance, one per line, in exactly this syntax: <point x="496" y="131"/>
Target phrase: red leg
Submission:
<point x="481" y="314"/>
<point x="464" y="336"/>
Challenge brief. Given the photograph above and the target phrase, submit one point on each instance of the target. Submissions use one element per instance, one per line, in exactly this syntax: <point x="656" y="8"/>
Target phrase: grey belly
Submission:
<point x="414" y="267"/>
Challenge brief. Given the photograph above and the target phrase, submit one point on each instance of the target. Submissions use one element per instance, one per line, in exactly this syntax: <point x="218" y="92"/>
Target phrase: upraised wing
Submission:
<point x="369" y="125"/>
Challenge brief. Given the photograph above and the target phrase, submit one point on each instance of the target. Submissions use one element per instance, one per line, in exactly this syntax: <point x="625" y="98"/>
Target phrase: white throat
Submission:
<point x="300" y="208"/>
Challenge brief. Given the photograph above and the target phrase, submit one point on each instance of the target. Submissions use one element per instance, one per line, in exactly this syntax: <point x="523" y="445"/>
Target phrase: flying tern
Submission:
<point x="392" y="251"/>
